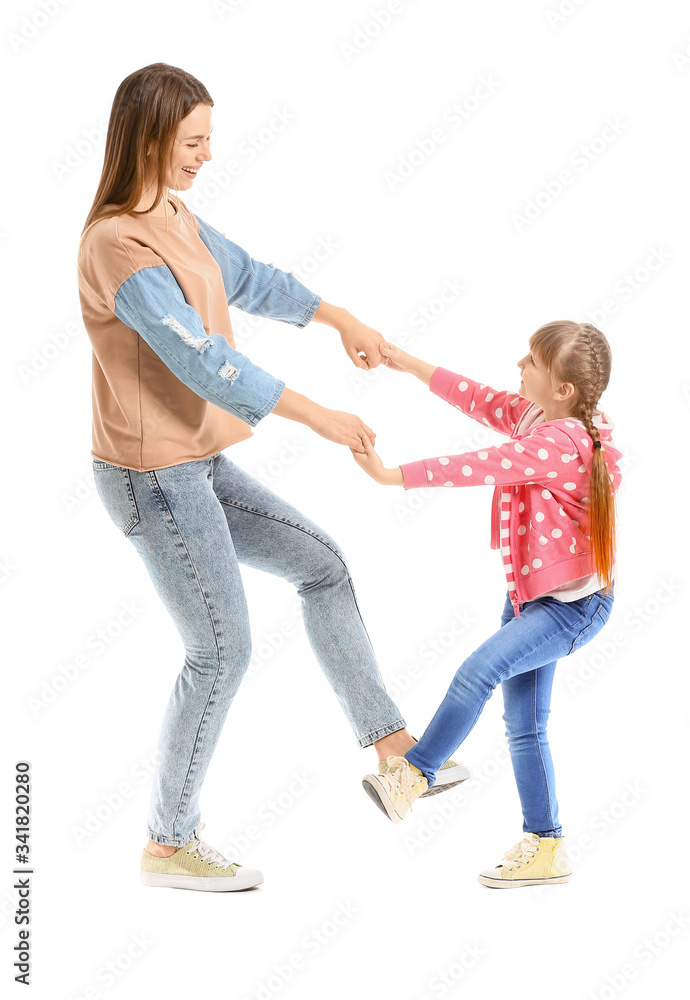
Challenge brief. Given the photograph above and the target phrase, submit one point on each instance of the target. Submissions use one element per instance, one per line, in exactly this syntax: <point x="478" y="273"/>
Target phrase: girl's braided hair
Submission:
<point x="580" y="354"/>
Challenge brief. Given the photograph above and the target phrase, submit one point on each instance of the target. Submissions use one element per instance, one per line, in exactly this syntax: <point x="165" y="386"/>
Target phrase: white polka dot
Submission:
<point x="429" y="475"/>
<point x="583" y="468"/>
<point x="499" y="412"/>
<point x="489" y="480"/>
<point x="525" y="570"/>
<point x="556" y="533"/>
<point x="489" y="396"/>
<point x="515" y="401"/>
<point x="522" y="529"/>
<point x="539" y="516"/>
<point x="483" y="455"/>
<point x="448" y="482"/>
<point x="518" y="446"/>
<point x="471" y="406"/>
<point x="543" y="453"/>
<point x="482" y="385"/>
<point x="521" y="507"/>
<point x="586" y="441"/>
<point x="536" y="563"/>
<point x="561" y="511"/>
<point x="547" y="494"/>
<point x="529" y="472"/>
<point x="569" y="486"/>
<point x="569" y="424"/>
<point x="466" y="470"/>
<point x="565" y="458"/>
<point x="506" y="463"/>
<point x="444" y="461"/>
<point x="551" y="475"/>
<point x="572" y="549"/>
<point x="462" y="386"/>
<point x="551" y="440"/>
<point x="485" y="421"/>
<point x="584" y="499"/>
<point x="542" y="540"/>
<point x="577" y="525"/>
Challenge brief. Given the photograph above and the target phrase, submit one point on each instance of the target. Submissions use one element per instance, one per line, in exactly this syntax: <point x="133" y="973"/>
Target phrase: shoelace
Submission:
<point x="401" y="777"/>
<point x="207" y="853"/>
<point x="521" y="852"/>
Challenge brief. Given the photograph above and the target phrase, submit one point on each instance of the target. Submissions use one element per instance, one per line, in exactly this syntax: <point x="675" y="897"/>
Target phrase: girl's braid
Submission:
<point x="592" y="387"/>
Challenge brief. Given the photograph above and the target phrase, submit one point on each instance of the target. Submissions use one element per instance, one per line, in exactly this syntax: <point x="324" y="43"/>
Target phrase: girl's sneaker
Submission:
<point x="534" y="861"/>
<point x="395" y="790"/>
<point x="448" y="776"/>
<point x="197" y="866"/>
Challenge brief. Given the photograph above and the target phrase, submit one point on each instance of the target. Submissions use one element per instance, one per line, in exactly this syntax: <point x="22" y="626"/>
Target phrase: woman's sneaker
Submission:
<point x="197" y="866"/>
<point x="534" y="861"/>
<point x="395" y="790"/>
<point x="448" y="775"/>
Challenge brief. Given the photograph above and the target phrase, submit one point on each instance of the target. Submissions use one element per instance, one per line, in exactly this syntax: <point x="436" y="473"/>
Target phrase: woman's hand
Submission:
<point x="342" y="427"/>
<point x="374" y="467"/>
<point x="359" y="340"/>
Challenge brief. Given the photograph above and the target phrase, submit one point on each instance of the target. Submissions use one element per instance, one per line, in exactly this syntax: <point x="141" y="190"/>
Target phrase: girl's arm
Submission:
<point x="544" y="456"/>
<point x="497" y="409"/>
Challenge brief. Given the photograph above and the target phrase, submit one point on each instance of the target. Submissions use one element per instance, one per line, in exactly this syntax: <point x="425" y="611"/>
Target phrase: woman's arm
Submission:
<point x="265" y="290"/>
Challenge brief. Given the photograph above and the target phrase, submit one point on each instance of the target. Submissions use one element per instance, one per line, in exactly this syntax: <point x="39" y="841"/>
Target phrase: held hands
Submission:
<point x="374" y="467"/>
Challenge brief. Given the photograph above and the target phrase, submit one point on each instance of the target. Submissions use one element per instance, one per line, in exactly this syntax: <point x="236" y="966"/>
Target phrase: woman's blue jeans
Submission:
<point x="193" y="524"/>
<point x="522" y="657"/>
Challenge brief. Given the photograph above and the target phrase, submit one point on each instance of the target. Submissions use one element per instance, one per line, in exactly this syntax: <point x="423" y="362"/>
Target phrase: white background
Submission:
<point x="361" y="96"/>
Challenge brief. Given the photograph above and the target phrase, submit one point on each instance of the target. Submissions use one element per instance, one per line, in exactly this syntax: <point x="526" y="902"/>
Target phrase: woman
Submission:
<point x="170" y="392"/>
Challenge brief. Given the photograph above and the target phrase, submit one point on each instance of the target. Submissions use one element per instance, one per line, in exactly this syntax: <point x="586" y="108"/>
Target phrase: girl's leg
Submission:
<point x="271" y="535"/>
<point x="526" y="698"/>
<point x="546" y="630"/>
<point x="174" y="519"/>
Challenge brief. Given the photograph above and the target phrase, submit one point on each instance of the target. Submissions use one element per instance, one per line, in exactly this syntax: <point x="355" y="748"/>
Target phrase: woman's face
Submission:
<point x="191" y="148"/>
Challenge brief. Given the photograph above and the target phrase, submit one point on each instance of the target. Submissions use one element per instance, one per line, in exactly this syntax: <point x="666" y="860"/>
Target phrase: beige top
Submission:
<point x="144" y="417"/>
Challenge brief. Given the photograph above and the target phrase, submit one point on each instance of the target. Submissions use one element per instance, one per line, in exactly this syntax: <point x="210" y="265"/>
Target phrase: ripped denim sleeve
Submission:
<point x="151" y="302"/>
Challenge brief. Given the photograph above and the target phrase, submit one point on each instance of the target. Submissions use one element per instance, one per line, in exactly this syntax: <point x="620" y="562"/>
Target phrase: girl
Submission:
<point x="553" y="520"/>
<point x="170" y="392"/>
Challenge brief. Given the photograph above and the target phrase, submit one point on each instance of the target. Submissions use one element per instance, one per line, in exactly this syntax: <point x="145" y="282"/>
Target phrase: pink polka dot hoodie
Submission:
<point x="540" y="518"/>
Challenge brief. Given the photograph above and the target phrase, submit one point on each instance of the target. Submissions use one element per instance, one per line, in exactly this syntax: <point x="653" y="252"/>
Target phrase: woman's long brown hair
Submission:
<point x="580" y="354"/>
<point x="148" y="107"/>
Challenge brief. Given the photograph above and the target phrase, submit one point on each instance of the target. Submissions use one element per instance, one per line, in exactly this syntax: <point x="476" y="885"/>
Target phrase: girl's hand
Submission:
<point x="374" y="467"/>
<point x="394" y="357"/>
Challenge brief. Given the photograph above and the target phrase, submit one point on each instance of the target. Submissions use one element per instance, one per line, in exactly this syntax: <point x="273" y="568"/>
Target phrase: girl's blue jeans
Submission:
<point x="193" y="524"/>
<point x="522" y="657"/>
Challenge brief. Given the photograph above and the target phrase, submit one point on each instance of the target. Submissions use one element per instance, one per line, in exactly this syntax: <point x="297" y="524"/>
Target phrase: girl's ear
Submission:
<point x="565" y="392"/>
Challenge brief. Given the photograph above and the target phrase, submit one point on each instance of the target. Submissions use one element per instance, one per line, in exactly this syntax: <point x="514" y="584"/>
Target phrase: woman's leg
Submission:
<point x="546" y="630"/>
<point x="174" y="519"/>
<point x="271" y="535"/>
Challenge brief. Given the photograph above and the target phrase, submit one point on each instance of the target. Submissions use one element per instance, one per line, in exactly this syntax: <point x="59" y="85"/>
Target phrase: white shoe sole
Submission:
<point x="516" y="883"/>
<point x="205" y="883"/>
<point x="449" y="777"/>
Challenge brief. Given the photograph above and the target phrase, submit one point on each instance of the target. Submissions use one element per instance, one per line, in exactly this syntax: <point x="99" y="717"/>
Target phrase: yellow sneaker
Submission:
<point x="396" y="789"/>
<point x="534" y="861"/>
<point x="197" y="866"/>
<point x="448" y="775"/>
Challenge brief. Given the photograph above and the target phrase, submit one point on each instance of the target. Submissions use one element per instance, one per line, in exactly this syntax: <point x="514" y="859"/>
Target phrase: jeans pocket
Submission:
<point x="114" y="487"/>
<point x="595" y="625"/>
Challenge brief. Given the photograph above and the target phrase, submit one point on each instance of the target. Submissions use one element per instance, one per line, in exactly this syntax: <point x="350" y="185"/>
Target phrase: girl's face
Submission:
<point x="536" y="381"/>
<point x="191" y="148"/>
